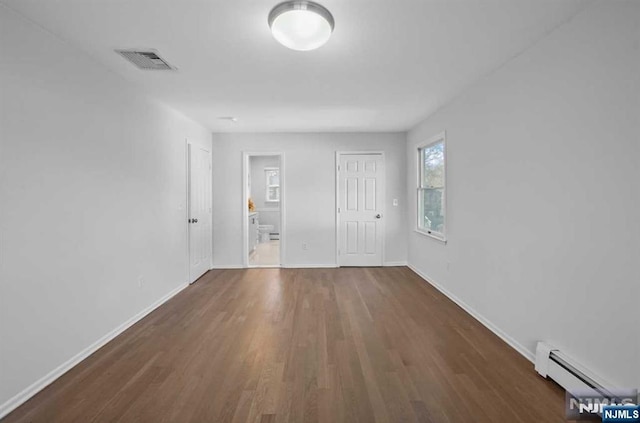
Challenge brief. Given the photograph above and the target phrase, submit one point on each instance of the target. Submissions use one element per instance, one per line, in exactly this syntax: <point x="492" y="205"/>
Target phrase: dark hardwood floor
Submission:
<point x="326" y="345"/>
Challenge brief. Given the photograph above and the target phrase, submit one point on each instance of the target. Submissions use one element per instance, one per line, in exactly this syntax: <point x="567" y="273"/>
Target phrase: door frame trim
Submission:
<point x="339" y="154"/>
<point x="188" y="145"/>
<point x="245" y="210"/>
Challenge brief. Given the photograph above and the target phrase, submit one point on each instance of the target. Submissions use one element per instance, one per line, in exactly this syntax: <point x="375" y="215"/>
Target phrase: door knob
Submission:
<point x="378" y="216"/>
<point x="194" y="220"/>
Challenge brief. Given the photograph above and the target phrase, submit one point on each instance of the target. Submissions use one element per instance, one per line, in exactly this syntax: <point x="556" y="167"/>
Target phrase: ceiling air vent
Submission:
<point x="146" y="59"/>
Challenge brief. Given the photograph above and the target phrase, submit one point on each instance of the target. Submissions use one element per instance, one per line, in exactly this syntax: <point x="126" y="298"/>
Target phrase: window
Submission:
<point x="272" y="176"/>
<point x="431" y="188"/>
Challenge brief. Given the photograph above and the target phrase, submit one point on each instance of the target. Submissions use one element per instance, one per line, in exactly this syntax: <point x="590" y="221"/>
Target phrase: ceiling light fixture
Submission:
<point x="301" y="25"/>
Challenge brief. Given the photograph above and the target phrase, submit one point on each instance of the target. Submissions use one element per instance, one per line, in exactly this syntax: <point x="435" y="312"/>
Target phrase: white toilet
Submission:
<point x="265" y="232"/>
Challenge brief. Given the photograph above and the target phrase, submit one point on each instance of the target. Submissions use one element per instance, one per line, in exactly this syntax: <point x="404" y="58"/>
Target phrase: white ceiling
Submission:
<point x="388" y="64"/>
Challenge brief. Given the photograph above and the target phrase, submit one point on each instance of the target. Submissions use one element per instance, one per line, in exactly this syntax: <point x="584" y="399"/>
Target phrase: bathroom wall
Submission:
<point x="269" y="211"/>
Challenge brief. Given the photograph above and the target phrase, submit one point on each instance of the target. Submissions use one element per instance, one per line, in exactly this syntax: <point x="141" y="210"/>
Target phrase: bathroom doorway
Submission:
<point x="263" y="204"/>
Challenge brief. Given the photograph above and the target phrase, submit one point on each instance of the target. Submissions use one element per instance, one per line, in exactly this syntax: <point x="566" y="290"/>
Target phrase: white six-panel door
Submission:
<point x="360" y="209"/>
<point x="199" y="219"/>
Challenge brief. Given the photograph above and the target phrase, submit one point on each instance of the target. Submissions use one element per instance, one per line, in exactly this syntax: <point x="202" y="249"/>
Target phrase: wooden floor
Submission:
<point x="326" y="345"/>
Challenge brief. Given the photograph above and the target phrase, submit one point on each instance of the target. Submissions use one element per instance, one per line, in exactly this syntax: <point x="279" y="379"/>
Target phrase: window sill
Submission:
<point x="430" y="235"/>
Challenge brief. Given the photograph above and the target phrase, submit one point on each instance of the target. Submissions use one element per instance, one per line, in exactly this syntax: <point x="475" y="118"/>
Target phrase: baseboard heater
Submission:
<point x="573" y="377"/>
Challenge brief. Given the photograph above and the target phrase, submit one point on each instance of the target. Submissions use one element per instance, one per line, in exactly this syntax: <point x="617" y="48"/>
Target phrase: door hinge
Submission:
<point x="338" y="209"/>
<point x="338" y="168"/>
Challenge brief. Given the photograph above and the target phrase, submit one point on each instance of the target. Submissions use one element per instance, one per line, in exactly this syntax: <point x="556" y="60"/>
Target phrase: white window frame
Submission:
<point x="439" y="138"/>
<point x="267" y="186"/>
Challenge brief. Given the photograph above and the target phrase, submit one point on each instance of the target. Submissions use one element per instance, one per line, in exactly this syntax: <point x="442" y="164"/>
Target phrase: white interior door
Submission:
<point x="360" y="209"/>
<point x="199" y="218"/>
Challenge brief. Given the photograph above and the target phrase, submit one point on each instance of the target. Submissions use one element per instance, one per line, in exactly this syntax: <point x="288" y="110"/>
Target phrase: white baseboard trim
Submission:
<point x="264" y="266"/>
<point x="529" y="355"/>
<point x="42" y="383"/>
<point x="394" y="263"/>
<point x="301" y="266"/>
<point x="283" y="266"/>
<point x="309" y="266"/>
<point x="227" y="266"/>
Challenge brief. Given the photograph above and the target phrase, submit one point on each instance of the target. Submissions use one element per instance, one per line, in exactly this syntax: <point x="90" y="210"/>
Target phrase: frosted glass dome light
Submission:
<point x="301" y="25"/>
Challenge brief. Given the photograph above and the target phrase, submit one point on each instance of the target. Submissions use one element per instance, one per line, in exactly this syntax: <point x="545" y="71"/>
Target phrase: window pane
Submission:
<point x="273" y="177"/>
<point x="273" y="194"/>
<point x="433" y="166"/>
<point x="432" y="209"/>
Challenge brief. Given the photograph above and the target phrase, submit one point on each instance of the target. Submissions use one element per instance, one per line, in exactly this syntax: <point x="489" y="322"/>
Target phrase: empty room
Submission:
<point x="319" y="211"/>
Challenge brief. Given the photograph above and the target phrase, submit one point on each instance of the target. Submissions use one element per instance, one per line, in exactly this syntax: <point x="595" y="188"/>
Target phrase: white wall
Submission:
<point x="92" y="196"/>
<point x="543" y="194"/>
<point x="309" y="179"/>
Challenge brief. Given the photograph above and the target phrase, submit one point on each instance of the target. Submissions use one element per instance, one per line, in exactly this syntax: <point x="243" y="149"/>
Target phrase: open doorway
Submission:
<point x="263" y="206"/>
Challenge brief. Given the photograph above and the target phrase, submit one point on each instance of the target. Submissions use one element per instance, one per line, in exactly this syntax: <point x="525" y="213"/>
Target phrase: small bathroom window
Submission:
<point x="272" y="176"/>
